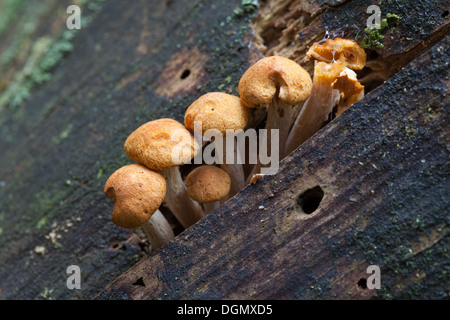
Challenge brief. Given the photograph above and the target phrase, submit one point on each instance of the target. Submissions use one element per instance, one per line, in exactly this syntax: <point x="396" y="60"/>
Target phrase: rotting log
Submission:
<point x="382" y="165"/>
<point x="378" y="177"/>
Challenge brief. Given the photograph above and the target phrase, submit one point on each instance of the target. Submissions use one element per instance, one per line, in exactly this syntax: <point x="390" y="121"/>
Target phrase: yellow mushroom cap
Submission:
<point x="339" y="49"/>
<point x="208" y="184"/>
<point x="274" y="77"/>
<point x="137" y="193"/>
<point x="217" y="110"/>
<point x="161" y="144"/>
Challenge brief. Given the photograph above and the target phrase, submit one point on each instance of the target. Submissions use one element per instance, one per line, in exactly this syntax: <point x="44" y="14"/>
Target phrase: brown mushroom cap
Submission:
<point x="339" y="49"/>
<point x="137" y="193"/>
<point x="155" y="143"/>
<point x="272" y="77"/>
<point x="217" y="110"/>
<point x="208" y="184"/>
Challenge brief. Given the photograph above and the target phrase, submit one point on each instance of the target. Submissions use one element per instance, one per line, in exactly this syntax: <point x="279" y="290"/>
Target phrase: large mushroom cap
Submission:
<point x="217" y="110"/>
<point x="274" y="77"/>
<point x="161" y="144"/>
<point x="137" y="193"/>
<point x="343" y="50"/>
<point x="208" y="184"/>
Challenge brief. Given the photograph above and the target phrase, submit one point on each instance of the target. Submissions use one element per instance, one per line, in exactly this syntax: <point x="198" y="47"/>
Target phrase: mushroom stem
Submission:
<point x="279" y="116"/>
<point x="237" y="176"/>
<point x="318" y="106"/>
<point x="158" y="230"/>
<point x="226" y="115"/>
<point x="278" y="83"/>
<point x="186" y="210"/>
<point x="210" y="206"/>
<point x="235" y="170"/>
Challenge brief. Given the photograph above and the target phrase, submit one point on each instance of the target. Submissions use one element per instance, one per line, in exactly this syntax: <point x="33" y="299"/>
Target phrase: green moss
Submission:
<point x="238" y="11"/>
<point x="99" y="173"/>
<point x="247" y="6"/>
<point x="41" y="223"/>
<point x="393" y="18"/>
<point x="250" y="5"/>
<point x="9" y="12"/>
<point x="57" y="245"/>
<point x="65" y="133"/>
<point x="383" y="24"/>
<point x="45" y="54"/>
<point x="374" y="37"/>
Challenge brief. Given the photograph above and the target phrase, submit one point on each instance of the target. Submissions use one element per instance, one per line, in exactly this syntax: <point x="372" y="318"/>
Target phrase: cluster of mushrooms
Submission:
<point x="274" y="83"/>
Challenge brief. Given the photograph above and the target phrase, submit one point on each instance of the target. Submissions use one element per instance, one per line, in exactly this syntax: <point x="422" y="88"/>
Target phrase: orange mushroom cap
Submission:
<point x="161" y="144"/>
<point x="274" y="77"/>
<point x="208" y="184"/>
<point x="339" y="49"/>
<point x="137" y="193"/>
<point x="217" y="110"/>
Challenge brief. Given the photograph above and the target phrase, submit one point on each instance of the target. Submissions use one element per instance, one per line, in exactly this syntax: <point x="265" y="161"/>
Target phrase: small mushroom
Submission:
<point x="278" y="83"/>
<point x="208" y="184"/>
<point x="338" y="49"/>
<point x="137" y="193"/>
<point x="225" y="113"/>
<point x="163" y="145"/>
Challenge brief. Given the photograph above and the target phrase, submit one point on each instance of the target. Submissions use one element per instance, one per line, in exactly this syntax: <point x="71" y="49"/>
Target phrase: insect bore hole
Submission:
<point x="139" y="282"/>
<point x="310" y="200"/>
<point x="185" y="74"/>
<point x="362" y="283"/>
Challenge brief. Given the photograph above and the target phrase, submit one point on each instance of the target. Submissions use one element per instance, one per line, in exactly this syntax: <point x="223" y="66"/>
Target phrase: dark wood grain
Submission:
<point x="58" y="148"/>
<point x="382" y="166"/>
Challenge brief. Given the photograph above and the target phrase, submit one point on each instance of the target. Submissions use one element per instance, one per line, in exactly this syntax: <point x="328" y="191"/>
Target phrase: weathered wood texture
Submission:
<point x="382" y="165"/>
<point x="58" y="149"/>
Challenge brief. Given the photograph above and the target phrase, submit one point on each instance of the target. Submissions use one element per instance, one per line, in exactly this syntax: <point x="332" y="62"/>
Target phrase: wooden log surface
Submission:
<point x="379" y="177"/>
<point x="382" y="165"/>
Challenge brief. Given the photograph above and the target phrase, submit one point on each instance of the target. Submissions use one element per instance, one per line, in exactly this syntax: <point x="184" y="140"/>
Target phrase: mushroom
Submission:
<point x="137" y="193"/>
<point x="279" y="83"/>
<point x="225" y="113"/>
<point x="163" y="145"/>
<point x="318" y="107"/>
<point x="338" y="49"/>
<point x="208" y="184"/>
<point x="334" y="84"/>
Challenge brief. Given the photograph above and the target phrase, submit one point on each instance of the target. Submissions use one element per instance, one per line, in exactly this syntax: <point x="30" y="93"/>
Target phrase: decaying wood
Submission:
<point x="378" y="176"/>
<point x="382" y="166"/>
<point x="58" y="149"/>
